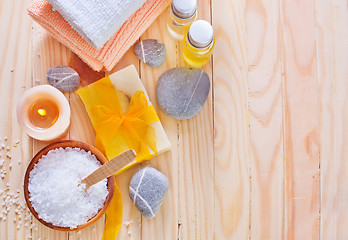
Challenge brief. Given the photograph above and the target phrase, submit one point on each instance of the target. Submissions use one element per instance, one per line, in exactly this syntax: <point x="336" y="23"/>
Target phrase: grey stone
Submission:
<point x="181" y="92"/>
<point x="150" y="51"/>
<point x="64" y="78"/>
<point x="147" y="189"/>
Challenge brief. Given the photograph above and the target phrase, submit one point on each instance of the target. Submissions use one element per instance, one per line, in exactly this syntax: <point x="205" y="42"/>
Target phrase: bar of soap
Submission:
<point x="128" y="82"/>
<point x="64" y="78"/>
<point x="182" y="91"/>
<point x="147" y="189"/>
<point x="150" y="51"/>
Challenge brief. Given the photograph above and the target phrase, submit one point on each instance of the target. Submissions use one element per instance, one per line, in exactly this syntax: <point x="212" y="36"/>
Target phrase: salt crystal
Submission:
<point x="18" y="227"/>
<point x="8" y="148"/>
<point x="54" y="188"/>
<point x="5" y="138"/>
<point x="2" y="146"/>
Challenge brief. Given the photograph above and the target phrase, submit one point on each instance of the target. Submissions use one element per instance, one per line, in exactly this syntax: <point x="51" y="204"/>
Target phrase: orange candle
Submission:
<point x="44" y="113"/>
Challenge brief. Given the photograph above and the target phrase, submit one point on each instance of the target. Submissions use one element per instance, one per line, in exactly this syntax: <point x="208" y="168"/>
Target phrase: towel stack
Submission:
<point x="99" y="32"/>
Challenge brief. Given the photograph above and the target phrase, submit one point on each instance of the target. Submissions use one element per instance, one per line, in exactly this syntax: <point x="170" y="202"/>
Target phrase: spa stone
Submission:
<point x="147" y="189"/>
<point x="150" y="51"/>
<point x="182" y="91"/>
<point x="64" y="78"/>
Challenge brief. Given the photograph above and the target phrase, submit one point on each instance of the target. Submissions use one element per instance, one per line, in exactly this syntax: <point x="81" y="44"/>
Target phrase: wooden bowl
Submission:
<point x="72" y="144"/>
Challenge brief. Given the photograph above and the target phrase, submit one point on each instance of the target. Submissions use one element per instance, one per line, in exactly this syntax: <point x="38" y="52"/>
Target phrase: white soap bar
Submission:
<point x="127" y="80"/>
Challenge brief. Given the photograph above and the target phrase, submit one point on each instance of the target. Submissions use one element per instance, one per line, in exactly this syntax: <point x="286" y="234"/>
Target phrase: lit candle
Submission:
<point x="44" y="113"/>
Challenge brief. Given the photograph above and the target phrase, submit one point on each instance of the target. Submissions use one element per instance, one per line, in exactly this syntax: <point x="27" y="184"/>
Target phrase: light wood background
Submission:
<point x="266" y="158"/>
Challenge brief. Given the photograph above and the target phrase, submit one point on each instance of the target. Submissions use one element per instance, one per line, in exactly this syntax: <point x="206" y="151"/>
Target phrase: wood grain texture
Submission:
<point x="332" y="55"/>
<point x="15" y="75"/>
<point x="266" y="158"/>
<point x="301" y="120"/>
<point x="266" y="119"/>
<point x="231" y="122"/>
<point x="165" y="225"/>
<point x="196" y="161"/>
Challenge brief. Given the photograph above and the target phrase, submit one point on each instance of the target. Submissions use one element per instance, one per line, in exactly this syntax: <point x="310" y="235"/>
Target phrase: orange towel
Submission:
<point x="106" y="57"/>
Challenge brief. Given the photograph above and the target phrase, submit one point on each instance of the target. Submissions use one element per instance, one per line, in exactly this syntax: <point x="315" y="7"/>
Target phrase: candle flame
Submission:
<point x="42" y="112"/>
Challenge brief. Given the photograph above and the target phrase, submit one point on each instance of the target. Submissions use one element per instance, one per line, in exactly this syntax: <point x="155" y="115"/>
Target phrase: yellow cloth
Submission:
<point x="113" y="219"/>
<point x="119" y="127"/>
<point x="117" y="131"/>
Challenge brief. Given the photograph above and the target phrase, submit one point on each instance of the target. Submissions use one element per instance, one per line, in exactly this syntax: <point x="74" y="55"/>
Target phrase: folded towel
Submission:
<point x="96" y="21"/>
<point x="106" y="57"/>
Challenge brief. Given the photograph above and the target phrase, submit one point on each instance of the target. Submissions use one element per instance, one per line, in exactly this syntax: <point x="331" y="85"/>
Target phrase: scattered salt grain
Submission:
<point x="5" y="138"/>
<point x="54" y="189"/>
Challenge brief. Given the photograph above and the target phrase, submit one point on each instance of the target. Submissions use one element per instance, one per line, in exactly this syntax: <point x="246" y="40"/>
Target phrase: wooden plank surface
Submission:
<point x="266" y="158"/>
<point x="266" y="119"/>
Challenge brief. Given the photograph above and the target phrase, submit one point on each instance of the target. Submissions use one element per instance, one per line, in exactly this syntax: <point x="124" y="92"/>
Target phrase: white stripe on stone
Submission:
<point x="141" y="179"/>
<point x="142" y="199"/>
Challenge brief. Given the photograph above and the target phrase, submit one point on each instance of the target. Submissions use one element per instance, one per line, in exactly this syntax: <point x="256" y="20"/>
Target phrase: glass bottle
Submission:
<point x="198" y="43"/>
<point x="181" y="14"/>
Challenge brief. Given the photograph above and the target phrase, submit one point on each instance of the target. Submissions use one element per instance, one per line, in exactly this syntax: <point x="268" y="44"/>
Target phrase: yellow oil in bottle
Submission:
<point x="181" y="14"/>
<point x="43" y="113"/>
<point x="198" y="44"/>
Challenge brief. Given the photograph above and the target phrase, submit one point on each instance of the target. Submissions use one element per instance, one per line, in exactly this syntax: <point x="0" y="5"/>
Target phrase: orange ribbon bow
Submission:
<point x="118" y="130"/>
<point x="131" y="130"/>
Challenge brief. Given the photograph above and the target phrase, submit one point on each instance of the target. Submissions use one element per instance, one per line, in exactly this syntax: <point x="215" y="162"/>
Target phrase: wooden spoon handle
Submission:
<point x="109" y="168"/>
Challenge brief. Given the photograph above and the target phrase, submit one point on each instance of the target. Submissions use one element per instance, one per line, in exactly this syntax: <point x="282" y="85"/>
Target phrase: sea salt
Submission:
<point x="55" y="191"/>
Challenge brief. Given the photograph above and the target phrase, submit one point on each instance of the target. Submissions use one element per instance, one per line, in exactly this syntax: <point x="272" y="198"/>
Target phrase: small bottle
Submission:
<point x="182" y="13"/>
<point x="198" y="43"/>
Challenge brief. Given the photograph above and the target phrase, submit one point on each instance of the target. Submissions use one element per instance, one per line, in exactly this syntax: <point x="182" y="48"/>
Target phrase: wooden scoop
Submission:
<point x="109" y="168"/>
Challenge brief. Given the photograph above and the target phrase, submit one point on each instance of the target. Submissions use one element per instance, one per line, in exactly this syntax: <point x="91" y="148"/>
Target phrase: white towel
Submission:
<point x="96" y="20"/>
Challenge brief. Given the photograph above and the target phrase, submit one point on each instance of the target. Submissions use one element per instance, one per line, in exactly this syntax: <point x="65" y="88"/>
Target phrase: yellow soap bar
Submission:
<point x="124" y="84"/>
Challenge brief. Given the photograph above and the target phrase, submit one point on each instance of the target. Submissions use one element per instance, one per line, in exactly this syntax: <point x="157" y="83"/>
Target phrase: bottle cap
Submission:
<point x="201" y="34"/>
<point x="184" y="8"/>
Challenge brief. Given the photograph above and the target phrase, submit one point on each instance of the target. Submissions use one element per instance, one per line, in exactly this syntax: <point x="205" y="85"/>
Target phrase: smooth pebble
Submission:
<point x="150" y="51"/>
<point x="182" y="91"/>
<point x="64" y="78"/>
<point x="147" y="189"/>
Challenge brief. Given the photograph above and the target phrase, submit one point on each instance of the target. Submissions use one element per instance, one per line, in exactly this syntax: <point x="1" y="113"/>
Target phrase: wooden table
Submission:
<point x="266" y="158"/>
